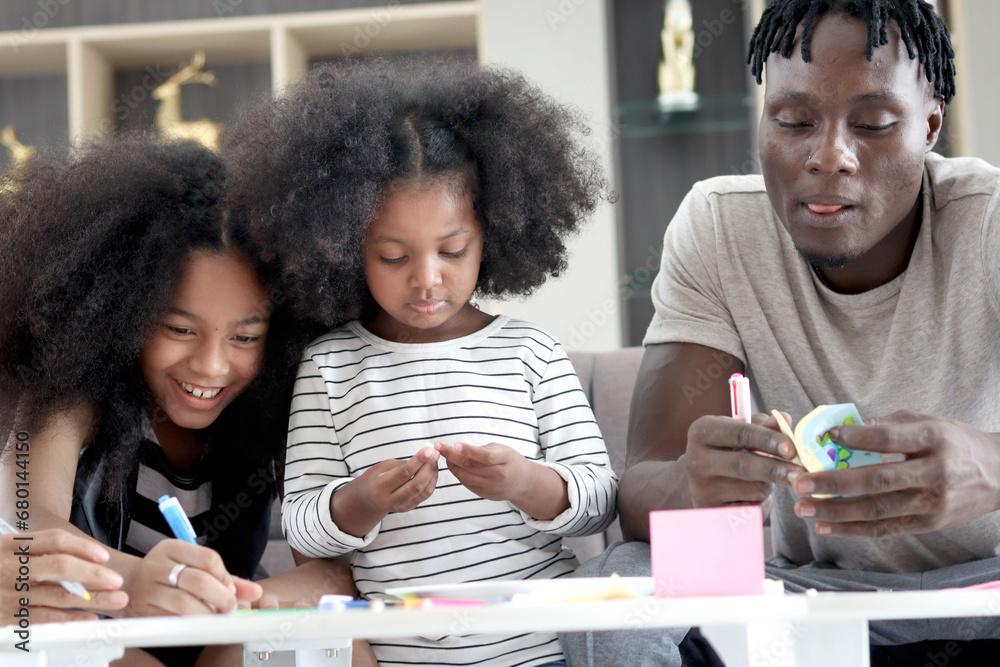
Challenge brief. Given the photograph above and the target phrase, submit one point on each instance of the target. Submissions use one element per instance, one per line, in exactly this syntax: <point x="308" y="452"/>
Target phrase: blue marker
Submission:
<point x="329" y="604"/>
<point x="177" y="519"/>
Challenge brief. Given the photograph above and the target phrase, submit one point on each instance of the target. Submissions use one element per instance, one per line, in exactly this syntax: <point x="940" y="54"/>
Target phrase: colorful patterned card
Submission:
<point x="817" y="451"/>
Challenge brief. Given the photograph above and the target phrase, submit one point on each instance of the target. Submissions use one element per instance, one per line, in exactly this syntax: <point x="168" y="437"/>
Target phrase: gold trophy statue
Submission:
<point x="676" y="75"/>
<point x="19" y="156"/>
<point x="169" y="121"/>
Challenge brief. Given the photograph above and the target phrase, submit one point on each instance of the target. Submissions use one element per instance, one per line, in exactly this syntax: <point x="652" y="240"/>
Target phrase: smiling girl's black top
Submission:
<point x="228" y="504"/>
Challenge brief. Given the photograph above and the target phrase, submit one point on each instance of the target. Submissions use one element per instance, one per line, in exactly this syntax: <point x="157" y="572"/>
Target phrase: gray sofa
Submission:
<point x="607" y="378"/>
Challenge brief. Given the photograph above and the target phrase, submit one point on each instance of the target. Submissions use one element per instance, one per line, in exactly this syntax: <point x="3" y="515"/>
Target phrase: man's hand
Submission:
<point x="723" y="465"/>
<point x="950" y="475"/>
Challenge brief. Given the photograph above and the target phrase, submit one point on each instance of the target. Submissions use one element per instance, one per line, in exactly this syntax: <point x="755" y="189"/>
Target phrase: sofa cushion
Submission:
<point x="607" y="379"/>
<point x="611" y="397"/>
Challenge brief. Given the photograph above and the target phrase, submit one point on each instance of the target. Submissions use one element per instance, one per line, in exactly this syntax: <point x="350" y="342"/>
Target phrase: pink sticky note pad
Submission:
<point x="707" y="551"/>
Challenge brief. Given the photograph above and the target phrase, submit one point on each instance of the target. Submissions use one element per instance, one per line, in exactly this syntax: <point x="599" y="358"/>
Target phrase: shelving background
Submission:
<point x="89" y="64"/>
<point x="91" y="72"/>
<point x="92" y="78"/>
<point x="661" y="154"/>
<point x="90" y="67"/>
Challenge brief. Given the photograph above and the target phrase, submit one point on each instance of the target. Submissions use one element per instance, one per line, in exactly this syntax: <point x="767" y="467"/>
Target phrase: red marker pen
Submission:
<point x="739" y="397"/>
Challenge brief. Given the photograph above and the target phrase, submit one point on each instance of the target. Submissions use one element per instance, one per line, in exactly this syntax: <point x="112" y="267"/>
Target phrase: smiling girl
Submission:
<point x="139" y="356"/>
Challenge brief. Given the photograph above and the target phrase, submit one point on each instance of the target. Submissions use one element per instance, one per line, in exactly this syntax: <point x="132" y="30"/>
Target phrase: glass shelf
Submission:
<point x="639" y="284"/>
<point x="713" y="113"/>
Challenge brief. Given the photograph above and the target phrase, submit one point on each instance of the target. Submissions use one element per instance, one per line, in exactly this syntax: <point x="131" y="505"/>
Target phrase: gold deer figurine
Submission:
<point x="169" y="121"/>
<point x="19" y="156"/>
<point x="19" y="153"/>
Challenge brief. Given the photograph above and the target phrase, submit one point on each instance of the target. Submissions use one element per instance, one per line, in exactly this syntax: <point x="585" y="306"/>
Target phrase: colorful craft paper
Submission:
<point x="707" y="551"/>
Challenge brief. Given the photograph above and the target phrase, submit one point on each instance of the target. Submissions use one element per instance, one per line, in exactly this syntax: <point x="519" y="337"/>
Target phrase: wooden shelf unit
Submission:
<point x="89" y="55"/>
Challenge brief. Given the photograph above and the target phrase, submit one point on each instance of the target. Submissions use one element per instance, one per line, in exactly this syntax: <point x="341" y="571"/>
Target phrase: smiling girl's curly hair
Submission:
<point x="310" y="171"/>
<point x="92" y="243"/>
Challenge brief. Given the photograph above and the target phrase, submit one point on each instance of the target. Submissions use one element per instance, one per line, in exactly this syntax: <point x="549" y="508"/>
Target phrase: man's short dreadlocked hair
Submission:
<point x="923" y="31"/>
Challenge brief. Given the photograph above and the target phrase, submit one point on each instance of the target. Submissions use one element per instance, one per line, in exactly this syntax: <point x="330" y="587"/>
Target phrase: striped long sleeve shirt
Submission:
<point x="360" y="400"/>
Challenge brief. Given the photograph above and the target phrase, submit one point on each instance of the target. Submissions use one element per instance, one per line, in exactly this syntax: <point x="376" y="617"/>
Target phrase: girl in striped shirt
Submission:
<point x="438" y="443"/>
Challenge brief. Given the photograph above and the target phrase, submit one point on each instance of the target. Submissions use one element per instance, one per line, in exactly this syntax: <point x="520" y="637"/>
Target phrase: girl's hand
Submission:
<point x="399" y="486"/>
<point x="493" y="471"/>
<point x="388" y="486"/>
<point x="498" y="472"/>
<point x="56" y="555"/>
<point x="203" y="587"/>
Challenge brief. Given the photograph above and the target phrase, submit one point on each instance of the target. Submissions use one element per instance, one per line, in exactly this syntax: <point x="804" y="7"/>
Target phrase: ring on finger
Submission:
<point x="175" y="574"/>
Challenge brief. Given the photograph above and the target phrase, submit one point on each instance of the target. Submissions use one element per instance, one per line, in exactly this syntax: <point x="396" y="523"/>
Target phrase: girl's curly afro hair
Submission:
<point x="92" y="243"/>
<point x="310" y="171"/>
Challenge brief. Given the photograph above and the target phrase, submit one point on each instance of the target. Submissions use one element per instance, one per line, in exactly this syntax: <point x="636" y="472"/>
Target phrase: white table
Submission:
<point x="826" y="630"/>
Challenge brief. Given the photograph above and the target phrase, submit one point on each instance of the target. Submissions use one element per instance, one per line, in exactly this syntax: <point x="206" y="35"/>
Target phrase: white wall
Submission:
<point x="974" y="34"/>
<point x="562" y="45"/>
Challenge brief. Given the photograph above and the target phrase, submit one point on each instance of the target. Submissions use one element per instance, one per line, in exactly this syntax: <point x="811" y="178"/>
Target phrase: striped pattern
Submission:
<point x="146" y="525"/>
<point x="360" y="400"/>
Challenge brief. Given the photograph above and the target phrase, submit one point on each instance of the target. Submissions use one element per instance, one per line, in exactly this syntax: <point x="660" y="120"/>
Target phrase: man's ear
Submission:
<point x="935" y="118"/>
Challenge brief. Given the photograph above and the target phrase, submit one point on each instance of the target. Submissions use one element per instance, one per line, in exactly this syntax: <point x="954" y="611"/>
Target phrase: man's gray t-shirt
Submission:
<point x="927" y="341"/>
